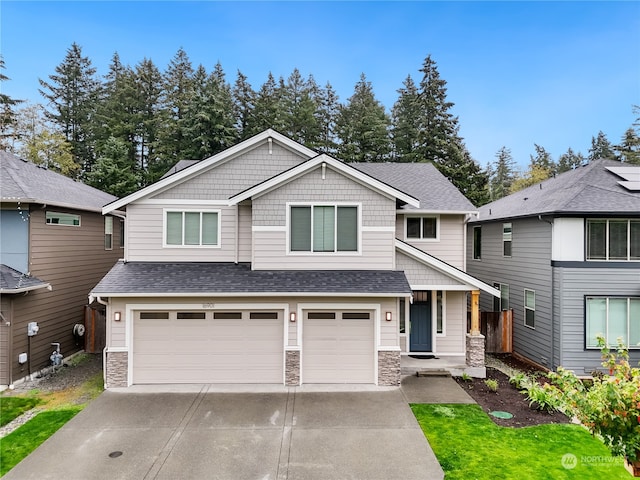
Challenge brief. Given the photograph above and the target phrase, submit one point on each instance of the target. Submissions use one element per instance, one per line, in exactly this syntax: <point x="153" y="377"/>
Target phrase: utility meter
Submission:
<point x="32" y="328"/>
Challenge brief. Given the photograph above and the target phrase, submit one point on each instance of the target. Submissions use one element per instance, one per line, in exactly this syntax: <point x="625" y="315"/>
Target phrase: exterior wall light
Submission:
<point x="387" y="316"/>
<point x="117" y="316"/>
<point x="292" y="317"/>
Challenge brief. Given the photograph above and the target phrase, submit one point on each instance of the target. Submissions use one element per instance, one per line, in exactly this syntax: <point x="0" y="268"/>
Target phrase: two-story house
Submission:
<point x="55" y="245"/>
<point x="565" y="253"/>
<point x="271" y="263"/>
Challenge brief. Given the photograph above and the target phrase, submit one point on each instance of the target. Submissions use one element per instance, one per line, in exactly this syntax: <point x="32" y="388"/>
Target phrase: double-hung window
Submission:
<point x="613" y="317"/>
<point x="507" y="235"/>
<point x="613" y="239"/>
<point x="108" y="233"/>
<point x="530" y="308"/>
<point x="192" y="228"/>
<point x="323" y="228"/>
<point x="422" y="228"/>
<point x="477" y="243"/>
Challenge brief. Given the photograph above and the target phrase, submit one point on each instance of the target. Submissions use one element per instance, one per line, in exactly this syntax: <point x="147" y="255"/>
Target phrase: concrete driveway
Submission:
<point x="199" y="432"/>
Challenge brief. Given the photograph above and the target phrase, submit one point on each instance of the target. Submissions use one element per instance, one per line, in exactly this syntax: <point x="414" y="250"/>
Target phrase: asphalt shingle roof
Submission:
<point x="422" y="181"/>
<point x="13" y="281"/>
<point x="591" y="189"/>
<point x="202" y="278"/>
<point x="23" y="181"/>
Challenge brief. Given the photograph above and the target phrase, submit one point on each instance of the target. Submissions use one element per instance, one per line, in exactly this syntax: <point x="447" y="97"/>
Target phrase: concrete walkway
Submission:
<point x="433" y="390"/>
<point x="275" y="435"/>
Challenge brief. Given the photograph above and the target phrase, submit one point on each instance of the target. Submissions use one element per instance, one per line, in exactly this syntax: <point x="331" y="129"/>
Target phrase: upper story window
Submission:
<point x="66" y="219"/>
<point x="529" y="308"/>
<point x="191" y="228"/>
<point x="323" y="228"/>
<point x="108" y="233"/>
<point x="507" y="234"/>
<point x="477" y="243"/>
<point x="422" y="228"/>
<point x="613" y="317"/>
<point x="613" y="240"/>
<point x="121" y="233"/>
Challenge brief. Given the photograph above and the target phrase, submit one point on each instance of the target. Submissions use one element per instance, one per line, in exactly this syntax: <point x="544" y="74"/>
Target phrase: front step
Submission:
<point x="433" y="372"/>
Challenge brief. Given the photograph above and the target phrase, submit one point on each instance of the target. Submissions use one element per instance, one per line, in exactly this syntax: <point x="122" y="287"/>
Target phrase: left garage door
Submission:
<point x="208" y="347"/>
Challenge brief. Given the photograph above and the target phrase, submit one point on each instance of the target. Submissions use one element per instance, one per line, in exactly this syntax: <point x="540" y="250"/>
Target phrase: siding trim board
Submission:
<point x="628" y="264"/>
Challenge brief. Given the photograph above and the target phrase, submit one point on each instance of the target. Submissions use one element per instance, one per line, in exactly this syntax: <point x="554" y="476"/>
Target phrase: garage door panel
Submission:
<point x="208" y="350"/>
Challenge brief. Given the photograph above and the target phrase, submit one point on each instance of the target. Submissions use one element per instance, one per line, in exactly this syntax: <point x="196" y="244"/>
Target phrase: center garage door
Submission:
<point x="338" y="347"/>
<point x="208" y="347"/>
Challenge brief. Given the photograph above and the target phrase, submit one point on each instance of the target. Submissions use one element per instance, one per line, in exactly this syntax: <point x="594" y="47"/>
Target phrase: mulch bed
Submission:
<point x="507" y="399"/>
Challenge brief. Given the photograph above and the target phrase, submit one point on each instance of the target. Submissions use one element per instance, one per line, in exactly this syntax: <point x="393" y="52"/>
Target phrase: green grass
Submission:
<point x="21" y="442"/>
<point x="13" y="407"/>
<point x="470" y="446"/>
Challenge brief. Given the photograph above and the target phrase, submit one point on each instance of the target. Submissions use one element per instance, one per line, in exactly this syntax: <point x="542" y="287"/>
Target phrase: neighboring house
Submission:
<point x="566" y="255"/>
<point x="271" y="263"/>
<point x="54" y="246"/>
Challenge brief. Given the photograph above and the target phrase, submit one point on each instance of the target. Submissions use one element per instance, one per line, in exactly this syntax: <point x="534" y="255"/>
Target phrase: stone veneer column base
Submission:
<point x="389" y="368"/>
<point x="475" y="355"/>
<point x="117" y="369"/>
<point x="292" y="368"/>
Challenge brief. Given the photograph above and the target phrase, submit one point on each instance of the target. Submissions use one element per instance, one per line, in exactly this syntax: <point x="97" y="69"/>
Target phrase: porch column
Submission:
<point x="475" y="312"/>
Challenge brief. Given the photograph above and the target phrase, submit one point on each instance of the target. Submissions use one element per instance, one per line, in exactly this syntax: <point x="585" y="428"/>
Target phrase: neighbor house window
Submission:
<point x="615" y="239"/>
<point x="506" y="239"/>
<point x="323" y="228"/>
<point x="477" y="243"/>
<point x="121" y="233"/>
<point x="108" y="233"/>
<point x="422" y="228"/>
<point x="66" y="219"/>
<point x="440" y="312"/>
<point x="613" y="317"/>
<point x="529" y="308"/>
<point x="192" y="228"/>
<point x="501" y="303"/>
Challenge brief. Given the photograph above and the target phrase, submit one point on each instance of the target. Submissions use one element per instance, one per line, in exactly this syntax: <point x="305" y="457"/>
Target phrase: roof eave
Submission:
<point x="8" y="291"/>
<point x="107" y="294"/>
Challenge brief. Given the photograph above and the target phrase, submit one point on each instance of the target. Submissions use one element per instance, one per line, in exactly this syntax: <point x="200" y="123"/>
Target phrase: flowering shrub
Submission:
<point x="610" y="405"/>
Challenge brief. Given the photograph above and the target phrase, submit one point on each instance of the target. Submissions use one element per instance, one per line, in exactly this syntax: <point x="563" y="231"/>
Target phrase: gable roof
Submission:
<point x="445" y="268"/>
<point x="587" y="190"/>
<point x="26" y="182"/>
<point x="344" y="168"/>
<point x="13" y="281"/>
<point x="424" y="182"/>
<point x="192" y="170"/>
<point x="140" y="279"/>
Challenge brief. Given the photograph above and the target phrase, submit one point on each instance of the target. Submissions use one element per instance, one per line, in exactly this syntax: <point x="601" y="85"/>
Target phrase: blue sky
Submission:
<point x="519" y="73"/>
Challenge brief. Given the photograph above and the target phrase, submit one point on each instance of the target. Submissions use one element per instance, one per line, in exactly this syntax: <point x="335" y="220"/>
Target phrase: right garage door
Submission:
<point x="338" y="347"/>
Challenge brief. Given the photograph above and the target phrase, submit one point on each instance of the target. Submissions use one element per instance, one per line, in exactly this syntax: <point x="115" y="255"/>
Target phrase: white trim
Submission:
<point x="420" y="211"/>
<point x="525" y="308"/>
<point x="210" y="162"/>
<point x="450" y="288"/>
<point x="435" y="314"/>
<point x="385" y="348"/>
<point x="248" y="294"/>
<point x="170" y="202"/>
<point x="337" y="165"/>
<point x="268" y="228"/>
<point x="8" y="291"/>
<point x="191" y="210"/>
<point x="445" y="268"/>
<point x="421" y="239"/>
<point x="379" y="229"/>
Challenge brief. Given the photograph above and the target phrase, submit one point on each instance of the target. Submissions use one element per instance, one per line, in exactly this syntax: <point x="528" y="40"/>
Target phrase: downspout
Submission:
<point x="104" y="350"/>
<point x="553" y="292"/>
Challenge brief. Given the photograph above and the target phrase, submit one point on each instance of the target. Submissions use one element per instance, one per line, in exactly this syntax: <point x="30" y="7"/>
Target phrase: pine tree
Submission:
<point x="72" y="96"/>
<point x="601" y="148"/>
<point x="543" y="160"/>
<point x="405" y="131"/>
<point x="113" y="172"/>
<point x="8" y="134"/>
<point x="363" y="127"/>
<point x="502" y="174"/>
<point x="298" y="111"/>
<point x="570" y="161"/>
<point x="327" y="115"/>
<point x="629" y="148"/>
<point x="268" y="110"/>
<point x="243" y="105"/>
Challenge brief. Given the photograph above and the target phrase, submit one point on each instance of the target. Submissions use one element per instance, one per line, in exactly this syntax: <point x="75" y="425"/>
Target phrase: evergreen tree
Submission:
<point x="405" y="130"/>
<point x="629" y="148"/>
<point x="268" y="110"/>
<point x="543" y="159"/>
<point x="363" y="127"/>
<point x="502" y="174"/>
<point x="243" y="105"/>
<point x="298" y="109"/>
<point x="471" y="180"/>
<point x="570" y="161"/>
<point x="601" y="148"/>
<point x="113" y="172"/>
<point x="8" y="134"/>
<point x="327" y="115"/>
<point x="72" y="96"/>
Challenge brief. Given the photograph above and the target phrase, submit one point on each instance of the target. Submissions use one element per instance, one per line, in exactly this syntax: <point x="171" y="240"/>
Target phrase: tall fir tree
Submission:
<point x="601" y="148"/>
<point x="72" y="94"/>
<point x="8" y="133"/>
<point x="327" y="115"/>
<point x="405" y="129"/>
<point x="243" y="104"/>
<point x="502" y="174"/>
<point x="363" y="127"/>
<point x="268" y="109"/>
<point x="569" y="160"/>
<point x="629" y="148"/>
<point x="113" y="172"/>
<point x="543" y="160"/>
<point x="298" y="108"/>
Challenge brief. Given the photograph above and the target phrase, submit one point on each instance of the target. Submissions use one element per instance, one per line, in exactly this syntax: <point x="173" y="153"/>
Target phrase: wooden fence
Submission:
<point x="95" y="330"/>
<point x="497" y="328"/>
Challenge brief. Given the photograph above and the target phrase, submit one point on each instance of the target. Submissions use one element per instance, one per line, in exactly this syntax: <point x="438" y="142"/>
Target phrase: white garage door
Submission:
<point x="208" y="347"/>
<point x="338" y="347"/>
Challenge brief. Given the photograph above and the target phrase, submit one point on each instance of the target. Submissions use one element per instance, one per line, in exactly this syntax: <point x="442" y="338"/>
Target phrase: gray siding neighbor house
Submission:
<point x="565" y="254"/>
<point x="54" y="246"/>
<point x="272" y="263"/>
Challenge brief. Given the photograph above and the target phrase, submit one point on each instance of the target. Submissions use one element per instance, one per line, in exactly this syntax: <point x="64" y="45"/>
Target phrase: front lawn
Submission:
<point x="470" y="446"/>
<point x="13" y="407"/>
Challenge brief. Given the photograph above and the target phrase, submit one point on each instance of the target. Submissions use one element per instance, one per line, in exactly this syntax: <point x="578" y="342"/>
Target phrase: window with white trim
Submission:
<point x="65" y="219"/>
<point x="192" y="228"/>
<point x="477" y="243"/>
<point x="507" y="235"/>
<point x="108" y="233"/>
<point x="323" y="228"/>
<point x="613" y="239"/>
<point x="613" y="317"/>
<point x="502" y="302"/>
<point x="422" y="228"/>
<point x="121" y="233"/>
<point x="530" y="308"/>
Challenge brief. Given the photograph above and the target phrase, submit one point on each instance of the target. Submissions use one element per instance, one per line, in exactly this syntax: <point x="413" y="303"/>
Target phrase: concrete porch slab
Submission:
<point x="433" y="390"/>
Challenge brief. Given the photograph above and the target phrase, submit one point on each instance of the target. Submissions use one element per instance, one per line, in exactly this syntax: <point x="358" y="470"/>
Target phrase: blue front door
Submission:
<point x="420" y="336"/>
